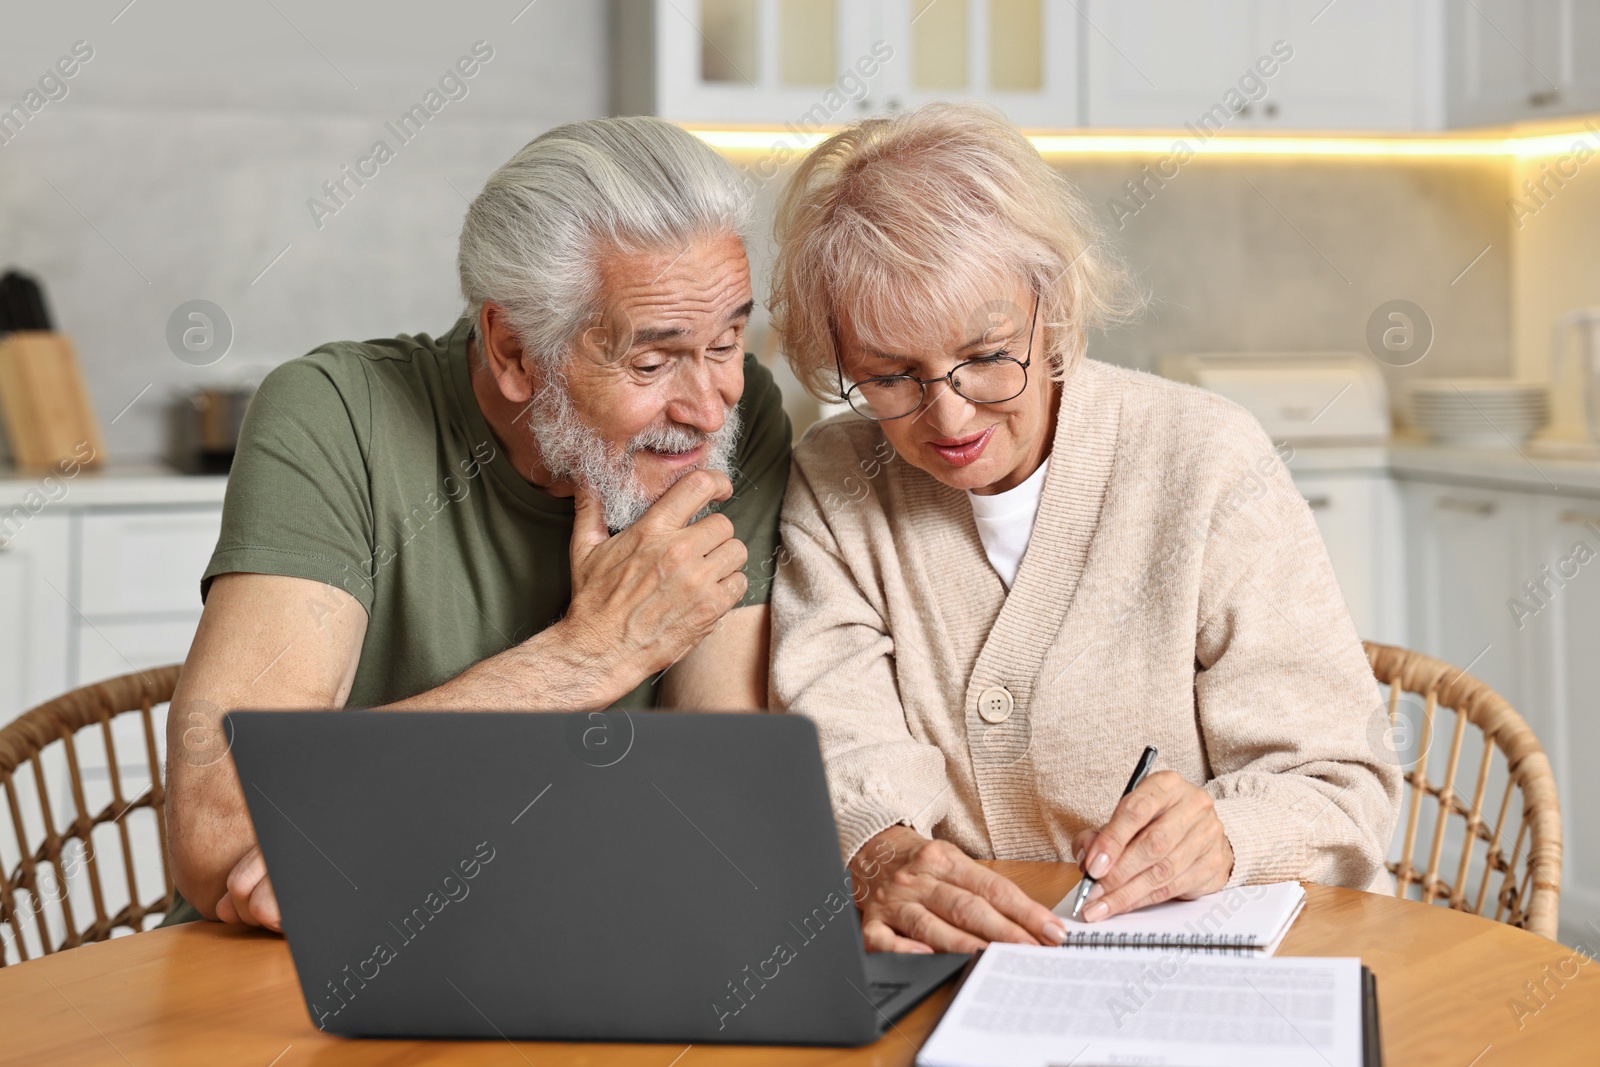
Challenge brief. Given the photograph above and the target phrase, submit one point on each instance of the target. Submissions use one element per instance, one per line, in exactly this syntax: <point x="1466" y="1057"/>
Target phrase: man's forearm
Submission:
<point x="208" y="824"/>
<point x="727" y="670"/>
<point x="560" y="668"/>
<point x="208" y="830"/>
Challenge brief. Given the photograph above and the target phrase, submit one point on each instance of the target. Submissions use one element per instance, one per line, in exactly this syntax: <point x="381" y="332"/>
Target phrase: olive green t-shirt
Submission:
<point x="369" y="466"/>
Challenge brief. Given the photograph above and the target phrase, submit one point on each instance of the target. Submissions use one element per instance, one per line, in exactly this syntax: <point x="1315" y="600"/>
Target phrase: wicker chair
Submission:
<point x="34" y="894"/>
<point x="1528" y="865"/>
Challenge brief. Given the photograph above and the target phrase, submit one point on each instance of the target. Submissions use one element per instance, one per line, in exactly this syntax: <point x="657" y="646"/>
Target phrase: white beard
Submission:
<point x="572" y="451"/>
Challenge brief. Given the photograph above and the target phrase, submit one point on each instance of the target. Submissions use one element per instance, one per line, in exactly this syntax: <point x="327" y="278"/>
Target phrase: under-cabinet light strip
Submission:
<point x="1586" y="138"/>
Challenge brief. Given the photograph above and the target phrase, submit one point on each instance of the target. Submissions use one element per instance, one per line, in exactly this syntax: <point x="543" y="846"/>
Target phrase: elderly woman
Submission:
<point x="1011" y="568"/>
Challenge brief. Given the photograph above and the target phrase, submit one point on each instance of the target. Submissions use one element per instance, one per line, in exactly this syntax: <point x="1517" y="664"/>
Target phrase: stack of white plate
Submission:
<point x="1479" y="412"/>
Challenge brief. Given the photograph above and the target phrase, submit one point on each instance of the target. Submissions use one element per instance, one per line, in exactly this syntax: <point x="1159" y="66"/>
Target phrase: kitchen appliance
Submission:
<point x="1303" y="397"/>
<point x="1584" y="326"/>
<point x="1478" y="412"/>
<point x="204" y="429"/>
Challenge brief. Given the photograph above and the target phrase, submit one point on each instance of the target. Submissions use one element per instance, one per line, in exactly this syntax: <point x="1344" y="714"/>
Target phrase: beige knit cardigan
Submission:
<point x="1175" y="593"/>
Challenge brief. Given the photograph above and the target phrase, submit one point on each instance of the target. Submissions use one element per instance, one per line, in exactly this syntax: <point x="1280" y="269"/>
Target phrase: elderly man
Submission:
<point x="550" y="506"/>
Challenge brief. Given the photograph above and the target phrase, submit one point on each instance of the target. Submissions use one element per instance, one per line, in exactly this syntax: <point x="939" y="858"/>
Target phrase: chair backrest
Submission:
<point x="1521" y="855"/>
<point x="79" y="750"/>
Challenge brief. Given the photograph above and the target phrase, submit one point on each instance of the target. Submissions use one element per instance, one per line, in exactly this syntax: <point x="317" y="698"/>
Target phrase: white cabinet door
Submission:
<point x="35" y="611"/>
<point x="106" y="649"/>
<point x="803" y="65"/>
<point x="1513" y="60"/>
<point x="1558" y="607"/>
<point x="1020" y="56"/>
<point x="799" y="64"/>
<point x="35" y="629"/>
<point x="1468" y="552"/>
<point x="1164" y="63"/>
<point x="145" y="561"/>
<point x="1217" y="65"/>
<point x="1358" y="517"/>
<point x="1355" y="65"/>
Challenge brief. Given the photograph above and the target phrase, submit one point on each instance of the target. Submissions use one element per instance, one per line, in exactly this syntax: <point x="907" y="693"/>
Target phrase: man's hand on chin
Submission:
<point x="644" y="597"/>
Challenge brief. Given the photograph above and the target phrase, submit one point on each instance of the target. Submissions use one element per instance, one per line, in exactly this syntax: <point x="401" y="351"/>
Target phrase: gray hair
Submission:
<point x="533" y="238"/>
<point x="920" y="214"/>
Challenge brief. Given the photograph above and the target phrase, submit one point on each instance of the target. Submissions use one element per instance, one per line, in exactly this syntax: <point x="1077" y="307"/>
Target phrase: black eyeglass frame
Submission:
<point x="949" y="378"/>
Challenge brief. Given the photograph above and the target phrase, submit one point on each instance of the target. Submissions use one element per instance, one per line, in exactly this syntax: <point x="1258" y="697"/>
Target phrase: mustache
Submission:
<point x="574" y="451"/>
<point x="672" y="439"/>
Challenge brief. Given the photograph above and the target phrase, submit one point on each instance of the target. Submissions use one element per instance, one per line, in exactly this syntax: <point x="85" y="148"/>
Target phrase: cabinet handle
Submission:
<point x="1585" y="518"/>
<point x="1317" y="503"/>
<point x="1470" y="507"/>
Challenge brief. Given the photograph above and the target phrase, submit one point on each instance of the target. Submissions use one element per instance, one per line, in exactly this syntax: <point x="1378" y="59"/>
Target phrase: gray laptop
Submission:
<point x="610" y="876"/>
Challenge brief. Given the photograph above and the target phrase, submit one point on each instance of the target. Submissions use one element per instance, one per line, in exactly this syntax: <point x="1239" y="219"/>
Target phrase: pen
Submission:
<point x="1139" y="771"/>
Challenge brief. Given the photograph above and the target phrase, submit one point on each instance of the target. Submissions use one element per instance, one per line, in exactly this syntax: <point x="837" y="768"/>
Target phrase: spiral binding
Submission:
<point x="1205" y="944"/>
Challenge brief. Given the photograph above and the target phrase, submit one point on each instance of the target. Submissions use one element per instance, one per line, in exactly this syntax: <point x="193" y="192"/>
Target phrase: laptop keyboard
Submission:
<point x="882" y="992"/>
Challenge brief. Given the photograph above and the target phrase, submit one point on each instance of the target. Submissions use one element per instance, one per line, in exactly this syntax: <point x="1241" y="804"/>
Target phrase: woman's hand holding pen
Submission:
<point x="1164" y="840"/>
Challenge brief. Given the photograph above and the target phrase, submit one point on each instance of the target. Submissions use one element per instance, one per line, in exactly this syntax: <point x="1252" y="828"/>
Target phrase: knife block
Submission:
<point x="48" y="416"/>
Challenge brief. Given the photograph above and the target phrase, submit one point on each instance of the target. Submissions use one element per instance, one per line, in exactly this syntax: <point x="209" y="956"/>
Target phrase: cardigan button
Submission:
<point x="995" y="704"/>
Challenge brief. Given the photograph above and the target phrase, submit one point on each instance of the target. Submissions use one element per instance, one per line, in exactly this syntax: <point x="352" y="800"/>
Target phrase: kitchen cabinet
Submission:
<point x="1357" y="65"/>
<point x="808" y="64"/>
<point x="99" y="576"/>
<point x="1163" y="63"/>
<point x="1358" y="515"/>
<point x="138" y="580"/>
<point x="35" y="612"/>
<point x="1468" y="551"/>
<point x="35" y="617"/>
<point x="1236" y="65"/>
<point x="1506" y="585"/>
<point x="1516" y="60"/>
<point x="1558" y="608"/>
<point x="1258" y="64"/>
<point x="1020" y="56"/>
<point x="751" y="61"/>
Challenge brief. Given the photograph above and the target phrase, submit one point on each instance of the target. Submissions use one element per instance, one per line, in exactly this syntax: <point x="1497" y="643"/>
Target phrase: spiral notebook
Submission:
<point x="1248" y="920"/>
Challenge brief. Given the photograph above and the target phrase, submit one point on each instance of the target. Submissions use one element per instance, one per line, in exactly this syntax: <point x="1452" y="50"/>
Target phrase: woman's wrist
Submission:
<point x="883" y="851"/>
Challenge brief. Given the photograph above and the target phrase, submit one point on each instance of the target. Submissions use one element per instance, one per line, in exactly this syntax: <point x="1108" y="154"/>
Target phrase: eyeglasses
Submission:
<point x="982" y="380"/>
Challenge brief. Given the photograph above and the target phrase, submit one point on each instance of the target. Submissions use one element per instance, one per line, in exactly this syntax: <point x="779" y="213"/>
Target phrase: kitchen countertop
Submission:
<point x="1539" y="466"/>
<point x="117" y="485"/>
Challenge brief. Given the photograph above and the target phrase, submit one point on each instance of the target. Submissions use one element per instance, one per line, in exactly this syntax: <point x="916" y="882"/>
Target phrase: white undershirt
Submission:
<point x="1005" y="522"/>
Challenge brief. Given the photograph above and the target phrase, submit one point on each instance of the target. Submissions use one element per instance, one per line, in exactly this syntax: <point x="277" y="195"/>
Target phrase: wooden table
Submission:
<point x="206" y="994"/>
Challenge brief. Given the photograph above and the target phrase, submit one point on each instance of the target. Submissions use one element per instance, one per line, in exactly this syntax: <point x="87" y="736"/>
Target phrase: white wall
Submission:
<point x="192" y="140"/>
